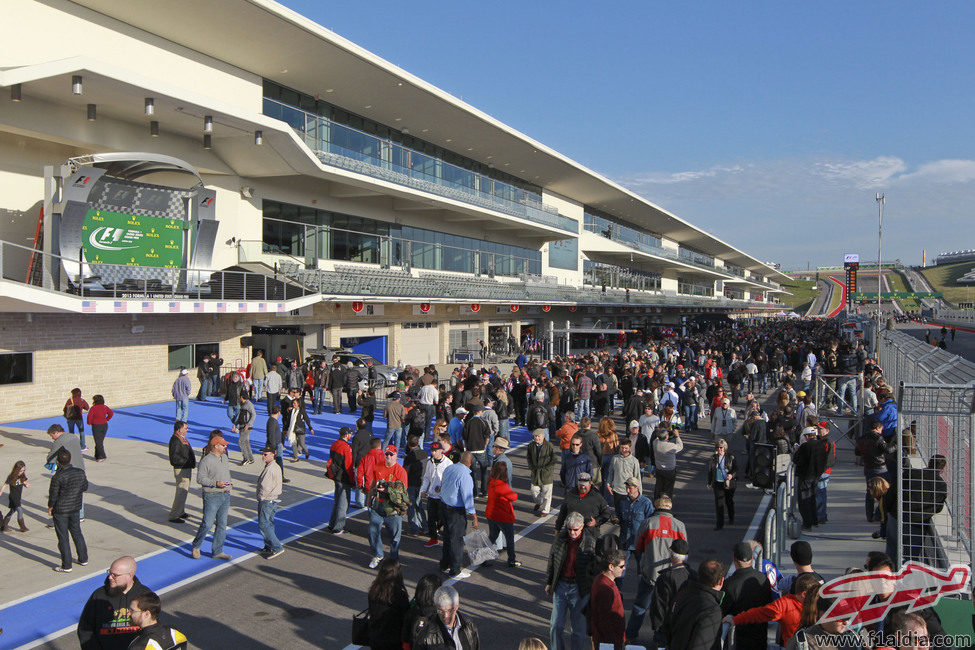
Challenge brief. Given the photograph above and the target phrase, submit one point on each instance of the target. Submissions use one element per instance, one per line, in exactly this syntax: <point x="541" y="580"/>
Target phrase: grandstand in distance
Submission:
<point x="955" y="256"/>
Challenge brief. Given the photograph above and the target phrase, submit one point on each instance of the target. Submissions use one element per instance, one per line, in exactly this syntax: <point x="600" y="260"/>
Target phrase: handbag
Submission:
<point x="360" y="628"/>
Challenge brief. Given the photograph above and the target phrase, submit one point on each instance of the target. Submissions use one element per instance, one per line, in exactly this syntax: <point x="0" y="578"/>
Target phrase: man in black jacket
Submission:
<point x="695" y="623"/>
<point x="352" y="378"/>
<point x="183" y="460"/>
<point x="476" y="434"/>
<point x="336" y="383"/>
<point x="275" y="439"/>
<point x="810" y="460"/>
<point x="669" y="583"/>
<point x="871" y="449"/>
<point x="440" y="630"/>
<point x="105" y="623"/>
<point x="587" y="502"/>
<point x="68" y="486"/>
<point x="746" y="588"/>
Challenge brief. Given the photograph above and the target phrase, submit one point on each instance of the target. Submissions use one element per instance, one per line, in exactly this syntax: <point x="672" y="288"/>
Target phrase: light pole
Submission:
<point x="880" y="242"/>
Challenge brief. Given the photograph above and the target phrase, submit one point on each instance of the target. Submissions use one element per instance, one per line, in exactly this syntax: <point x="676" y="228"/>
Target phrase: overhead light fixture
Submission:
<point x="92" y="112"/>
<point x="330" y="90"/>
<point x="15" y="93"/>
<point x="207" y="141"/>
<point x="154" y="129"/>
<point x="208" y="124"/>
<point x="76" y="84"/>
<point x="150" y="106"/>
<point x="405" y="131"/>
<point x="258" y="138"/>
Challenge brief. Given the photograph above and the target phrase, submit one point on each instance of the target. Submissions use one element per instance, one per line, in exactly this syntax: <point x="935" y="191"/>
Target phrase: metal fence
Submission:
<point x="935" y="393"/>
<point x="780" y="520"/>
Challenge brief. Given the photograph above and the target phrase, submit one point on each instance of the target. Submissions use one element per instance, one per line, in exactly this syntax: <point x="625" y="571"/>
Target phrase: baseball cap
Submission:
<point x="218" y="440"/>
<point x="585" y="477"/>
<point x="345" y="431"/>
<point x="810" y="431"/>
<point x="680" y="547"/>
<point x="435" y="446"/>
<point x="801" y="393"/>
<point x="634" y="424"/>
<point x="635" y="482"/>
<point x="824" y="424"/>
<point x="269" y="450"/>
<point x="742" y="552"/>
<point x="461" y="411"/>
<point x="184" y="371"/>
<point x="390" y="449"/>
<point x="394" y="395"/>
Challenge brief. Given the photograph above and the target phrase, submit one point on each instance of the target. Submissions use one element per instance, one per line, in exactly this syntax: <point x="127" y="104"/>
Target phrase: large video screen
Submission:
<point x="117" y="238"/>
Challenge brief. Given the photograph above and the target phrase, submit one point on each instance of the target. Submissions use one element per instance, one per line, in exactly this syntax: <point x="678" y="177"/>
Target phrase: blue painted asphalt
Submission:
<point x="36" y="618"/>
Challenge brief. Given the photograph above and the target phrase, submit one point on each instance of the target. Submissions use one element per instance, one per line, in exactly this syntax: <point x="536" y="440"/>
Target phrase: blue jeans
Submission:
<point x="80" y="426"/>
<point x="395" y="436"/>
<point x="69" y="526"/>
<point x="479" y="471"/>
<point x="583" y="408"/>
<point x="395" y="525"/>
<point x="318" y="400"/>
<point x="183" y="409"/>
<point x="340" y="507"/>
<point x="416" y="515"/>
<point x="215" y="507"/>
<point x="644" y="596"/>
<point x="690" y="416"/>
<point x="848" y="384"/>
<point x="265" y="522"/>
<point x="233" y="412"/>
<point x="204" y="391"/>
<point x="821" y="486"/>
<point x="496" y="529"/>
<point x="430" y="411"/>
<point x="567" y="605"/>
<point x="258" y="389"/>
<point x="504" y="428"/>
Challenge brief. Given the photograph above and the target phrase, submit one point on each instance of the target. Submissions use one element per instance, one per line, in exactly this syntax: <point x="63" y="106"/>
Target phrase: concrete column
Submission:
<point x="443" y="332"/>
<point x="395" y="336"/>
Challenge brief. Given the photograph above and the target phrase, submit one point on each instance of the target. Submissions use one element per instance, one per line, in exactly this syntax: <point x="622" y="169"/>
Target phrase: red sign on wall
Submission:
<point x="357" y="307"/>
<point x="424" y="307"/>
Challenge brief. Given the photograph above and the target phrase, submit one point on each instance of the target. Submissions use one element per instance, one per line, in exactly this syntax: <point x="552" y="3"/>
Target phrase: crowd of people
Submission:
<point x="446" y="447"/>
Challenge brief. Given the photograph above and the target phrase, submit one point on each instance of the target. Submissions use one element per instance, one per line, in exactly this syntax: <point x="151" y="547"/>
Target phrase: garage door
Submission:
<point x="419" y="344"/>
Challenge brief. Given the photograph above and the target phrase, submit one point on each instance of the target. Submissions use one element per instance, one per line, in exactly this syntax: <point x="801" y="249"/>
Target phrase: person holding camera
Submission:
<point x="388" y="502"/>
<point x="666" y="445"/>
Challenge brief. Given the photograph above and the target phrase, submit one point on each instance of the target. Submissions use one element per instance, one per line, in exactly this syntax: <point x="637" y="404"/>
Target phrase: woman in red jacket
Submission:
<point x="500" y="511"/>
<point x="787" y="610"/>
<point x="98" y="417"/>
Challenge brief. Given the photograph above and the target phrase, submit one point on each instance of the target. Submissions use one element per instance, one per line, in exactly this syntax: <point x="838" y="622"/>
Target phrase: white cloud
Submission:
<point x="795" y="210"/>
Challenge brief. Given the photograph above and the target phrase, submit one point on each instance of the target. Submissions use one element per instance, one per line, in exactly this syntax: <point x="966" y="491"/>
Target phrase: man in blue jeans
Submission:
<point x="213" y="475"/>
<point x="341" y="470"/>
<point x="268" y="496"/>
<point x="568" y="582"/>
<point x="388" y="502"/>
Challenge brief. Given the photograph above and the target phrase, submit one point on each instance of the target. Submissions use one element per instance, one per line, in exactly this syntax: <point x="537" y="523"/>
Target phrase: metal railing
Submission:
<point x="780" y="520"/>
<point x="78" y="277"/>
<point x="963" y="317"/>
<point x="343" y="146"/>
<point x="934" y="437"/>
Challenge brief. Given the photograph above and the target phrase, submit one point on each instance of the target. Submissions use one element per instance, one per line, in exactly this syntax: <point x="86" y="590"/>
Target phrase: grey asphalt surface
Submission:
<point x="963" y="345"/>
<point x="306" y="598"/>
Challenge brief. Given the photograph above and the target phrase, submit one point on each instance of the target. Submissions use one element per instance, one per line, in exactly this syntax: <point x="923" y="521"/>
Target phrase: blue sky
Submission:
<point x="770" y="124"/>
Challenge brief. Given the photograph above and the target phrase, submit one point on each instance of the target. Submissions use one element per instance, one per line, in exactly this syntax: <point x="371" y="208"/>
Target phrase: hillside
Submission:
<point x="944" y="279"/>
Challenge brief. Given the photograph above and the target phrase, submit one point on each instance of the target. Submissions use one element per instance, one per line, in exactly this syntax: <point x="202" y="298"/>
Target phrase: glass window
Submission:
<point x="180" y="356"/>
<point x="202" y="349"/>
<point x="16" y="368"/>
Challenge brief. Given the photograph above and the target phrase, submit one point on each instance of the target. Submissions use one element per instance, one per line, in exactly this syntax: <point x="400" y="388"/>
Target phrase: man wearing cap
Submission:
<point x="541" y="456"/>
<point x="213" y="475"/>
<point x="587" y="502"/>
<point x="666" y="446"/>
<point x="269" y="486"/>
<point x="455" y="428"/>
<point x="810" y="461"/>
<point x="746" y="588"/>
<point x="653" y="543"/>
<point x="341" y="460"/>
<point x="670" y="581"/>
<point x="632" y="510"/>
<point x="724" y="420"/>
<point x="623" y="467"/>
<point x="394" y="413"/>
<point x="499" y="452"/>
<point x="457" y="494"/>
<point x="388" y="502"/>
<point x="430" y="489"/>
<point x="670" y="396"/>
<point x="182" y="388"/>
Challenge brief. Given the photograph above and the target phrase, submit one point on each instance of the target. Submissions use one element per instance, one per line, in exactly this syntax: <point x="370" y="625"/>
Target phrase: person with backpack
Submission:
<point x="73" y="409"/>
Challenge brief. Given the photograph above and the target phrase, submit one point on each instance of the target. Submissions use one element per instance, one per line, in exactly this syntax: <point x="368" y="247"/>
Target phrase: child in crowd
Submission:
<point x="16" y="482"/>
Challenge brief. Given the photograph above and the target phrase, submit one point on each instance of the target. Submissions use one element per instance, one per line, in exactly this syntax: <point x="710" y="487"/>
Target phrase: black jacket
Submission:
<point x="274" y="433"/>
<point x="810" y="460"/>
<point x="592" y="506"/>
<point x="696" y="620"/>
<point x="386" y="622"/>
<point x="668" y="585"/>
<point x="872" y="448"/>
<point x="181" y="456"/>
<point x="105" y="623"/>
<point x="68" y="485"/>
<point x="747" y="588"/>
<point x="584" y="557"/>
<point x="430" y="634"/>
<point x="730" y="467"/>
<point x="360" y="442"/>
<point x="476" y="434"/>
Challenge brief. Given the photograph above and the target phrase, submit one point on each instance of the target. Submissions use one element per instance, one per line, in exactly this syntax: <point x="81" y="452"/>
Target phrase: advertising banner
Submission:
<point x="116" y="238"/>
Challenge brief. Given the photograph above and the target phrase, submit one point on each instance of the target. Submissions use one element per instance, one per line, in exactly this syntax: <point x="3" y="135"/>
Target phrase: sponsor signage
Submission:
<point x="896" y="295"/>
<point x="116" y="238"/>
<point x="851" y="258"/>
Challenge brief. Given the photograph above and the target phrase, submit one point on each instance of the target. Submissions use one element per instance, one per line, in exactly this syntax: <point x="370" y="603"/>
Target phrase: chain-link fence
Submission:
<point x="935" y="391"/>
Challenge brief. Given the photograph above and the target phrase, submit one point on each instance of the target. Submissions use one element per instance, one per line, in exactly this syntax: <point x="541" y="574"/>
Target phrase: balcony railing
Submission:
<point x="343" y="146"/>
<point x="79" y="278"/>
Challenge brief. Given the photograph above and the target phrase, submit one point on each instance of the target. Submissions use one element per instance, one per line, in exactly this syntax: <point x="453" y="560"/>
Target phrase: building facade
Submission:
<point x="320" y="196"/>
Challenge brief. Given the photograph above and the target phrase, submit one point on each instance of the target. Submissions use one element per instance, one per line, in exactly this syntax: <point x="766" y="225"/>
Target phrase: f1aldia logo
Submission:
<point x="109" y="238"/>
<point x="864" y="598"/>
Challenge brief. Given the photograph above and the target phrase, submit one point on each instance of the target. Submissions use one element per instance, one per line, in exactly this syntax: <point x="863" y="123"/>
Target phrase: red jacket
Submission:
<point x="607" y="620"/>
<point x="382" y="473"/>
<point x="99" y="414"/>
<point x="340" y="460"/>
<point x="500" y="502"/>
<point x="787" y="610"/>
<point x="366" y="465"/>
